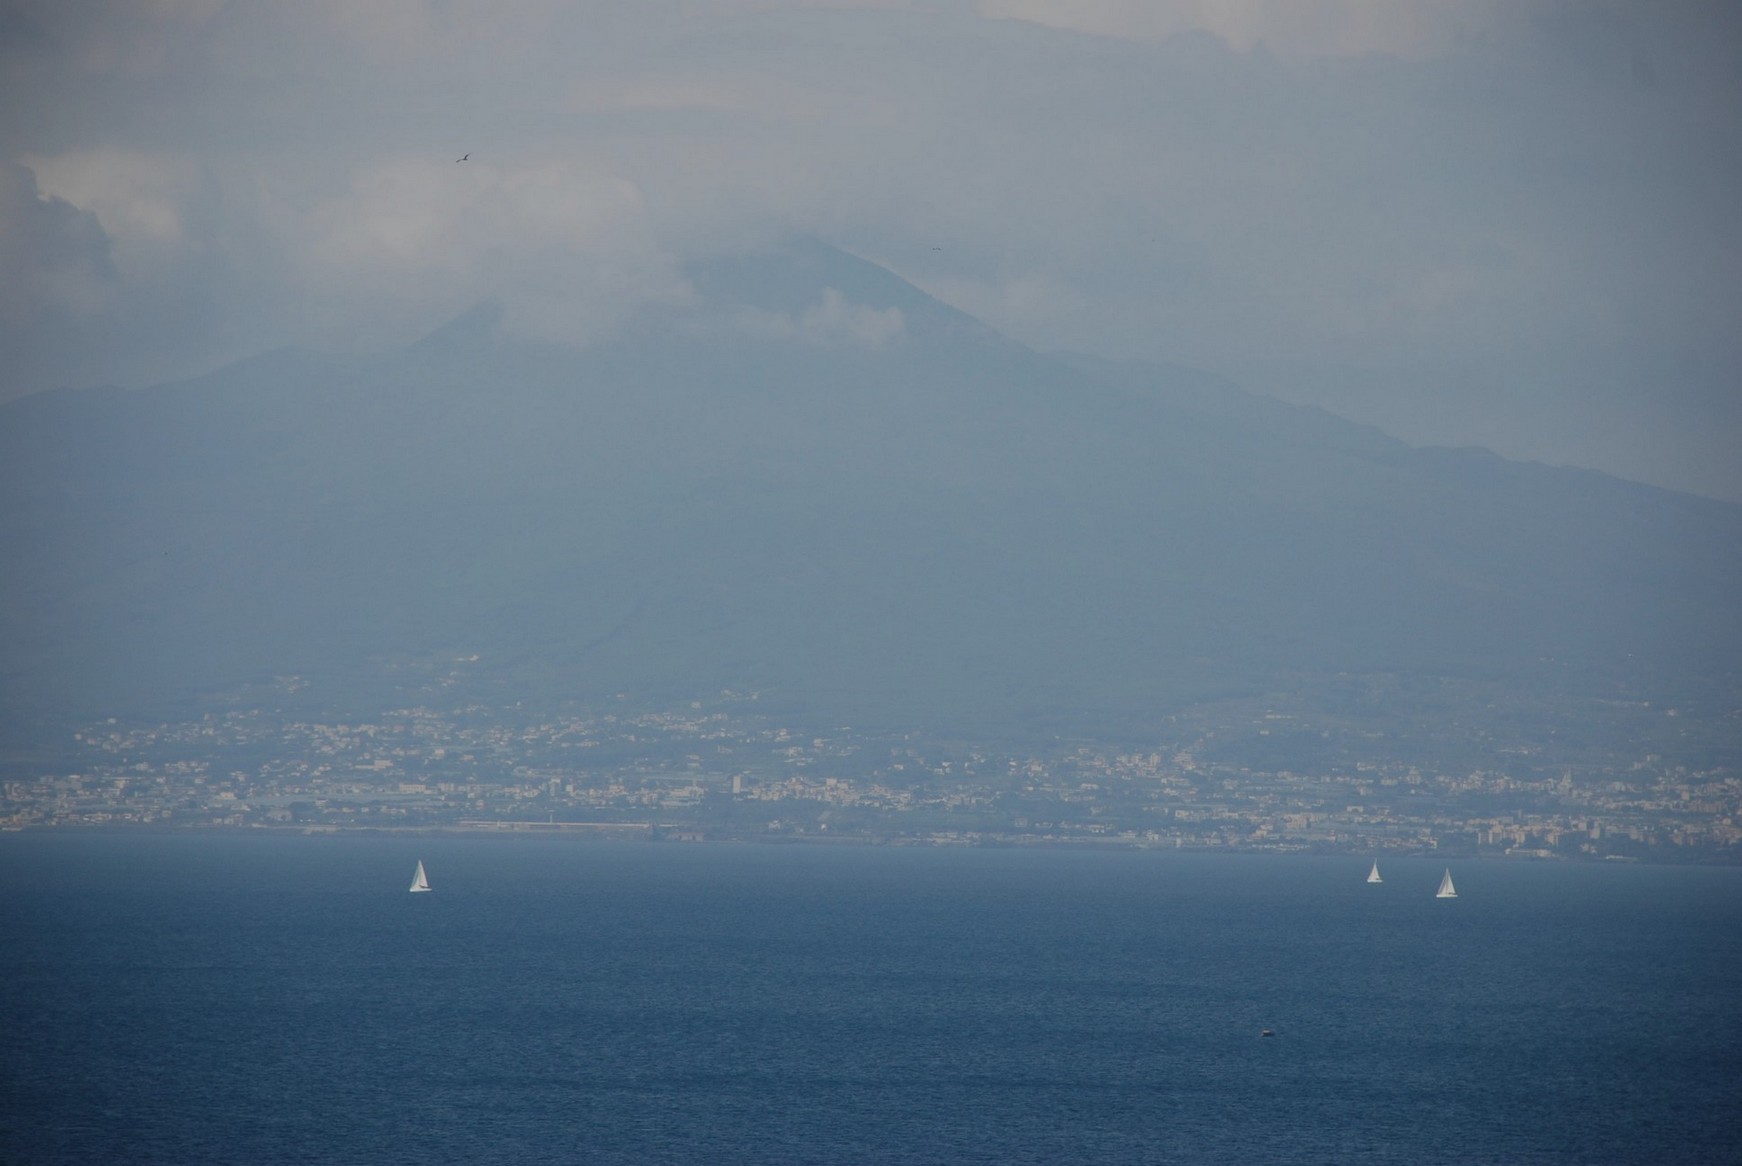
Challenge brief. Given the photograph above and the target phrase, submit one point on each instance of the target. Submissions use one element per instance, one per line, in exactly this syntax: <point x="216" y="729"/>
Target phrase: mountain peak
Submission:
<point x="479" y="324"/>
<point x="797" y="275"/>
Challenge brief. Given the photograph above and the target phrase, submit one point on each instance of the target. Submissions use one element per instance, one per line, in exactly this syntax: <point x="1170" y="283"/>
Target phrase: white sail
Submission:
<point x="1373" y="875"/>
<point x="1447" y="890"/>
<point x="419" y="881"/>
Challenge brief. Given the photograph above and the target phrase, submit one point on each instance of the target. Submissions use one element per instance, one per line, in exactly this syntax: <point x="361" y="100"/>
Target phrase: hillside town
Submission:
<point x="726" y="772"/>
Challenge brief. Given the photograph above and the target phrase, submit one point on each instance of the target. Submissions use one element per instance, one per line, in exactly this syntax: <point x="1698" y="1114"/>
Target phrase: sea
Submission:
<point x="243" y="998"/>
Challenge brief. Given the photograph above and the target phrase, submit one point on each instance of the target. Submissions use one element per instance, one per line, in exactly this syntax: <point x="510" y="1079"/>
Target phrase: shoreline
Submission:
<point x="685" y="835"/>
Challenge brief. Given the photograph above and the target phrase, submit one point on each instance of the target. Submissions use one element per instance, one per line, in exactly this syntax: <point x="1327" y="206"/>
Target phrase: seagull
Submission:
<point x="463" y="157"/>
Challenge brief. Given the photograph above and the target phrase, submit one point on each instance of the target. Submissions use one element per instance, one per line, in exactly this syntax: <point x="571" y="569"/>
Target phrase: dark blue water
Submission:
<point x="282" y="999"/>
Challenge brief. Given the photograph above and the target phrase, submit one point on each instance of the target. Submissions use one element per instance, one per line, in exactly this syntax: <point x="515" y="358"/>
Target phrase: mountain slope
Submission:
<point x="817" y="482"/>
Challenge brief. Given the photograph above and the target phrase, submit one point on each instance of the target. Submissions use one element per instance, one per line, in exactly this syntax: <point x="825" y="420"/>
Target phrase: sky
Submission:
<point x="1507" y="223"/>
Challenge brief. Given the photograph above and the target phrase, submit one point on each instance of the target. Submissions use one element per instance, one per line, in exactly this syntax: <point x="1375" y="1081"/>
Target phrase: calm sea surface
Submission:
<point x="244" y="999"/>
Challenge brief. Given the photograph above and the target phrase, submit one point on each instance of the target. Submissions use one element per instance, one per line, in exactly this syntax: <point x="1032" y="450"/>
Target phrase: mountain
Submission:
<point x="817" y="482"/>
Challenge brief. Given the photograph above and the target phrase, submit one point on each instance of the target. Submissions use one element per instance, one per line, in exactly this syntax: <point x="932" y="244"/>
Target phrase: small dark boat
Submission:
<point x="1267" y="1032"/>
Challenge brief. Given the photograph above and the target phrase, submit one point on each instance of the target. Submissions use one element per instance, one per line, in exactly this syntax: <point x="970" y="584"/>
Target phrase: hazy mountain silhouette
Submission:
<point x="819" y="482"/>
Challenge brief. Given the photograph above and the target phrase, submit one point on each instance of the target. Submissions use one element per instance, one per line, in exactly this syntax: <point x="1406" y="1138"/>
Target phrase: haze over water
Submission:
<point x="274" y="999"/>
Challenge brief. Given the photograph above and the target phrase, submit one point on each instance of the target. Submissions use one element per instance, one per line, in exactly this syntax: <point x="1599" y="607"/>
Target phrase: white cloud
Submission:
<point x="565" y="246"/>
<point x="833" y="321"/>
<point x="1468" y="186"/>
<point x="836" y="319"/>
<point x="139" y="197"/>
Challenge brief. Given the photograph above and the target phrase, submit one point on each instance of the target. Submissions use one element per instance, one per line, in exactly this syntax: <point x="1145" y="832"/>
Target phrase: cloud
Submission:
<point x="156" y="292"/>
<point x="705" y="91"/>
<point x="134" y="40"/>
<point x="836" y="319"/>
<point x="57" y="258"/>
<point x="833" y="321"/>
<point x="1419" y="28"/>
<point x="564" y="245"/>
<point x="1384" y="208"/>
<point x="1031" y="304"/>
<point x="144" y="201"/>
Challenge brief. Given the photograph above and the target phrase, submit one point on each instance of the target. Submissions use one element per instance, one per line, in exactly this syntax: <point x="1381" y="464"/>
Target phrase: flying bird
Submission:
<point x="463" y="157"/>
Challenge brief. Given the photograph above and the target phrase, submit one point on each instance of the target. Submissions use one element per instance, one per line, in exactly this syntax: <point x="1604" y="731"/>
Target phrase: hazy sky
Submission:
<point x="1513" y="223"/>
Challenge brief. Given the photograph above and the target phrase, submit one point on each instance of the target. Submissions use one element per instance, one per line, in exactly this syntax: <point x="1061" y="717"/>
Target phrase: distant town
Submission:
<point x="723" y="771"/>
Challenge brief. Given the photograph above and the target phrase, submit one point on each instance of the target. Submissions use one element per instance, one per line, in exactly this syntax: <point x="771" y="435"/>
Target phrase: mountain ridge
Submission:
<point x="876" y="510"/>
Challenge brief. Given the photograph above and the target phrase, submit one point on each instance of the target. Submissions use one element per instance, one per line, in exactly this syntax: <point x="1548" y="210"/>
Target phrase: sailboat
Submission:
<point x="419" y="881"/>
<point x="1447" y="890"/>
<point x="1373" y="875"/>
